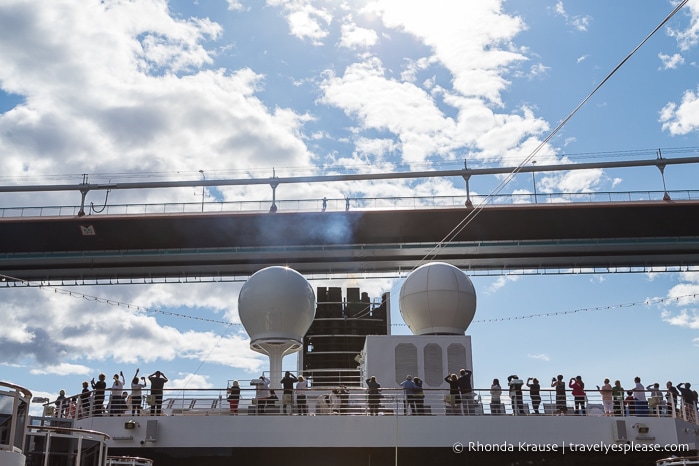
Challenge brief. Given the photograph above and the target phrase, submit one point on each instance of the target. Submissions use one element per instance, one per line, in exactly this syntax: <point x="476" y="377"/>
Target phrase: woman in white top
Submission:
<point x="301" y="388"/>
<point x="495" y="403"/>
<point x="262" y="394"/>
<point x="116" y="402"/>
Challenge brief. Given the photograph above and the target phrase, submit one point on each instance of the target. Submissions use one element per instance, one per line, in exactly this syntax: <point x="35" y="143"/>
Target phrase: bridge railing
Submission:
<point x="351" y="204"/>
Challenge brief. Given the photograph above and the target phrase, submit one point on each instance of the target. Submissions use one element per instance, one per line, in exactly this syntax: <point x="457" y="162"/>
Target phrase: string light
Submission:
<point x="111" y="302"/>
<point x="87" y="297"/>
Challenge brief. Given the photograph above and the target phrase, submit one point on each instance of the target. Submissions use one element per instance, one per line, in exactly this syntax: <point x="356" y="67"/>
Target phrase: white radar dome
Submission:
<point x="276" y="306"/>
<point x="437" y="298"/>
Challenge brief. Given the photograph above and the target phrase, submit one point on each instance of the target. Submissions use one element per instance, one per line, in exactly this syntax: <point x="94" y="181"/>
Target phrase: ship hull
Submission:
<point x="420" y="440"/>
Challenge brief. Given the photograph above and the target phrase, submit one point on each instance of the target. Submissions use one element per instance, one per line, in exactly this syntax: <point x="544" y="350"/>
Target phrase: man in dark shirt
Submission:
<point x="466" y="392"/>
<point x="157" y="382"/>
<point x="288" y="395"/>
<point x="99" y="387"/>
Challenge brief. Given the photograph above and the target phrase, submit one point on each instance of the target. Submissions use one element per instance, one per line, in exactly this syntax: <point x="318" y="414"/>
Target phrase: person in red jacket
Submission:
<point x="578" y="389"/>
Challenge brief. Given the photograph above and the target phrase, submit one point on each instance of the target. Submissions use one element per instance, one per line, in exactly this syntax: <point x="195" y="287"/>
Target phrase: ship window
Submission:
<point x="456" y="357"/>
<point x="434" y="367"/>
<point x="406" y="361"/>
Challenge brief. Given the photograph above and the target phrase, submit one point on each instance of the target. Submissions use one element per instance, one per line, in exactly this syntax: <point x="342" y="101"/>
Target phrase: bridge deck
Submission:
<point x="531" y="236"/>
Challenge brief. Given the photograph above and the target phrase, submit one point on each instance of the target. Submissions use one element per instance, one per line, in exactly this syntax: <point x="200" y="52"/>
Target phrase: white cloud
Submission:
<point x="306" y="20"/>
<point x="579" y="22"/>
<point x="685" y="318"/>
<point x="685" y="296"/>
<point x="146" y="105"/>
<point x="683" y="118"/>
<point x="188" y="380"/>
<point x="63" y="369"/>
<point x="472" y="39"/>
<point x="689" y="37"/>
<point x="540" y="356"/>
<point x="538" y="70"/>
<point x="671" y="62"/>
<point x="84" y="331"/>
<point x="357" y="38"/>
<point x="500" y="282"/>
<point x="385" y="104"/>
<point x="235" y="5"/>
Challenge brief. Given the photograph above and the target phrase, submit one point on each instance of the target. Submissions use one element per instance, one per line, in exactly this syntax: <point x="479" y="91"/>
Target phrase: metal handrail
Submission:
<point x="394" y="401"/>
<point x="360" y="203"/>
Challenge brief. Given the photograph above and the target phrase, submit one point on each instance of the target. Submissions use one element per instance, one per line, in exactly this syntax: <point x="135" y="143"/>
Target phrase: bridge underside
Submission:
<point x="517" y="237"/>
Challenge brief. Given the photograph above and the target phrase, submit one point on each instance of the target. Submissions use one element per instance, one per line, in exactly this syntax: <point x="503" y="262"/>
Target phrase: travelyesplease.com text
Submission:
<point x="565" y="447"/>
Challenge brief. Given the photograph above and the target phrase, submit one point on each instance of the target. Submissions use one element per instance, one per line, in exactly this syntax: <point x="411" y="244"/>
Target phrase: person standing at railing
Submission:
<point x="671" y="398"/>
<point x="639" y="394"/>
<point x="84" y="406"/>
<point x="578" y="389"/>
<point x="374" y="395"/>
<point x="61" y="404"/>
<point x="234" y="397"/>
<point x="656" y="398"/>
<point x="301" y="403"/>
<point x="453" y="396"/>
<point x="117" y="404"/>
<point x="618" y="398"/>
<point x="137" y="393"/>
<point x="561" y="402"/>
<point x="688" y="400"/>
<point x="99" y="387"/>
<point x="409" y="388"/>
<point x="72" y="409"/>
<point x="288" y="394"/>
<point x="515" y="384"/>
<point x="534" y="393"/>
<point x="607" y="397"/>
<point x="419" y="396"/>
<point x="495" y="402"/>
<point x="262" y="394"/>
<point x="466" y="392"/>
<point x="157" y="383"/>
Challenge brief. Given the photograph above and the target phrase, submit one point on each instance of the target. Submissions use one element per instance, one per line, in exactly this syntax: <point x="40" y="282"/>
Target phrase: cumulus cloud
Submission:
<point x="578" y="22"/>
<point x="671" y="61"/>
<point x="689" y="37"/>
<point x="680" y="304"/>
<point x="148" y="104"/>
<point x="356" y="37"/>
<point x="306" y="20"/>
<point x="682" y="118"/>
<point x="82" y="329"/>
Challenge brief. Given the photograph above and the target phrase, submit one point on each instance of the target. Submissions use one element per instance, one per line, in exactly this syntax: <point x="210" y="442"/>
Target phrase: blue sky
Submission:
<point x="155" y="90"/>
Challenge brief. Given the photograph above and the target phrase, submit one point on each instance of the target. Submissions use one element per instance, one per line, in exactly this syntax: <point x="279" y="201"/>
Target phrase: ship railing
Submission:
<point x="128" y="461"/>
<point x="359" y="203"/>
<point x="678" y="461"/>
<point x="49" y="445"/>
<point x="14" y="412"/>
<point x="355" y="400"/>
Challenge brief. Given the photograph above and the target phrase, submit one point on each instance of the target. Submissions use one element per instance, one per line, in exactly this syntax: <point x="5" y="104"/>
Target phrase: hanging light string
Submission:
<point x="647" y="302"/>
<point x="117" y="303"/>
